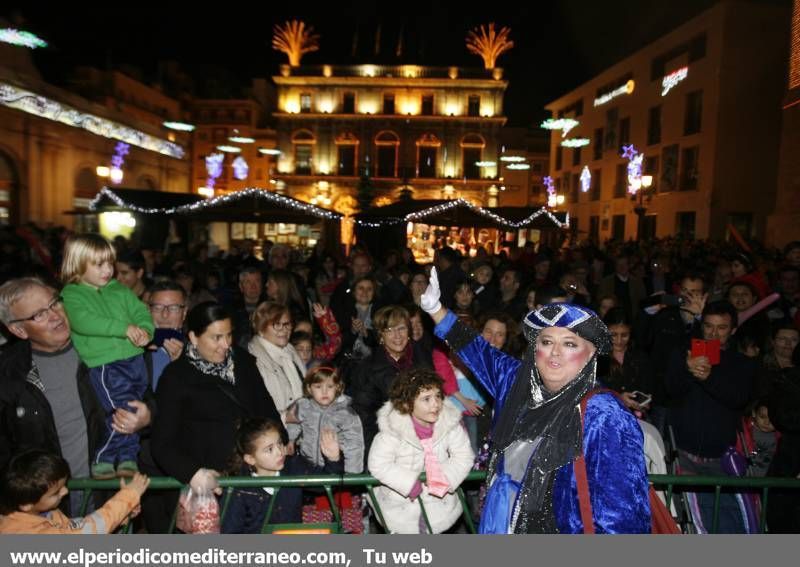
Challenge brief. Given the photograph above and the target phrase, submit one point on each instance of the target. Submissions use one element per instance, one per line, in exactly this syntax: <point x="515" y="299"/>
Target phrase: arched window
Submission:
<point x="387" y="145"/>
<point x="427" y="153"/>
<point x="346" y="153"/>
<point x="471" y="153"/>
<point x="303" y="142"/>
<point x="86" y="185"/>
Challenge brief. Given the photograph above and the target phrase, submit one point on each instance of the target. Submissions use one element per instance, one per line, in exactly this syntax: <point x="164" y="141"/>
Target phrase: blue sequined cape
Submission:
<point x="612" y="447"/>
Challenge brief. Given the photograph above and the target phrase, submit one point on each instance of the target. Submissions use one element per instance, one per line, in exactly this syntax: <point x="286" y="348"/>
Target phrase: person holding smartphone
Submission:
<point x="626" y="369"/>
<point x="708" y="403"/>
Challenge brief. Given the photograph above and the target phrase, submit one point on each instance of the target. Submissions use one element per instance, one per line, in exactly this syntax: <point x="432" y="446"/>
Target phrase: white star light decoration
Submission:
<point x="586" y="179"/>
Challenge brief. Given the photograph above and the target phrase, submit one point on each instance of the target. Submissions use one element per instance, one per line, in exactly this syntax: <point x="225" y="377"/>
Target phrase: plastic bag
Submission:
<point x="198" y="512"/>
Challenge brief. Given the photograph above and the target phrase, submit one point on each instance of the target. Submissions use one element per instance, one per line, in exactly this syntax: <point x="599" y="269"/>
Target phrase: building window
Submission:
<point x="648" y="227"/>
<point x="346" y="154"/>
<point x="597" y="146"/>
<point x="576" y="187"/>
<point x="624" y="132"/>
<point x="346" y="160"/>
<point x="427" y="105"/>
<point x="474" y="105"/>
<point x="303" y="142"/>
<point x="349" y="103"/>
<point x="689" y="171"/>
<point x="471" y="153"/>
<point x="654" y="126"/>
<point x="559" y="157"/>
<point x="302" y="159"/>
<point x="388" y="104"/>
<point x="576" y="156"/>
<point x="387" y="145"/>
<point x="651" y="169"/>
<point x="427" y="151"/>
<point x="694" y="113"/>
<point x="669" y="168"/>
<point x="597" y="184"/>
<point x="621" y="185"/>
<point x="537" y="167"/>
<point x="618" y="228"/>
<point x="685" y="224"/>
<point x="305" y="102"/>
<point x="594" y="229"/>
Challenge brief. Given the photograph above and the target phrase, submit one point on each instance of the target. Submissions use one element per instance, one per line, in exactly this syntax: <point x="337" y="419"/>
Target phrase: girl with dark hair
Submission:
<point x="261" y="452"/>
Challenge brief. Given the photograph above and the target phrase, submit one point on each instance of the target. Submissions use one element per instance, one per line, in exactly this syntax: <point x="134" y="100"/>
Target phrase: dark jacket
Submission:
<point x="26" y="418"/>
<point x="196" y="422"/>
<point x="707" y="412"/>
<point x="248" y="507"/>
<point x="636" y="373"/>
<point x="783" y="513"/>
<point x="370" y="382"/>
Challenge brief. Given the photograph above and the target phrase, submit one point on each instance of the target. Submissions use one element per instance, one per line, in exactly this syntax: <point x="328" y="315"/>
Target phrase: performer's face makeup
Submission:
<point x="560" y="355"/>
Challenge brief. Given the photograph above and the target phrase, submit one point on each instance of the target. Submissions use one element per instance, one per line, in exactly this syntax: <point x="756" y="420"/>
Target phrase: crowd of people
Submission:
<point x="127" y="362"/>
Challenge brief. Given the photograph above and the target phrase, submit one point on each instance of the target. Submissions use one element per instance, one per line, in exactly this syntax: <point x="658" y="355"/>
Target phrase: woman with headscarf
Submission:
<point x="539" y="432"/>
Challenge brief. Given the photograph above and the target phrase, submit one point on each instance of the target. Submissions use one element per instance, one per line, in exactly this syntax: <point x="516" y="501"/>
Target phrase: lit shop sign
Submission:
<point x="627" y="88"/>
<point x="37" y="105"/>
<point x="671" y="80"/>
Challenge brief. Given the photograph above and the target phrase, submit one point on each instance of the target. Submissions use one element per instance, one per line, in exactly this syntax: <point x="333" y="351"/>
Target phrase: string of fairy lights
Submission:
<point x="313" y="210"/>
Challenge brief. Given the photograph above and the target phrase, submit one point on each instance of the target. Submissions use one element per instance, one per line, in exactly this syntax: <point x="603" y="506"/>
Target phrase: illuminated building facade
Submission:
<point x="59" y="146"/>
<point x="702" y="106"/>
<point x="431" y="131"/>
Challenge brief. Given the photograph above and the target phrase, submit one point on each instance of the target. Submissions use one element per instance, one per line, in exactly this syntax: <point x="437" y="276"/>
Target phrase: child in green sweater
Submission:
<point x="109" y="328"/>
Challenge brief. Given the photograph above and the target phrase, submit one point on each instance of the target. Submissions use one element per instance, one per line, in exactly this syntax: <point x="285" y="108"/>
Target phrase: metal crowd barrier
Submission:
<point x="672" y="486"/>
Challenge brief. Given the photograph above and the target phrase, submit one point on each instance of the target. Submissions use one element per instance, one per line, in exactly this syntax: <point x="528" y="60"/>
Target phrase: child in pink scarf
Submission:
<point x="420" y="431"/>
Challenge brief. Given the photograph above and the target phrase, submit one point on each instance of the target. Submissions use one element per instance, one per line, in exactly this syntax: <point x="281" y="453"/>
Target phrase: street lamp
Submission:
<point x="640" y="209"/>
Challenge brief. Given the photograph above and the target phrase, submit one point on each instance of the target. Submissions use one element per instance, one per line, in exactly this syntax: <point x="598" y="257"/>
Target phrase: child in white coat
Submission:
<point x="420" y="431"/>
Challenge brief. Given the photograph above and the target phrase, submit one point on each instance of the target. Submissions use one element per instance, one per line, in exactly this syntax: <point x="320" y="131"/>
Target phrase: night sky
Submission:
<point x="558" y="46"/>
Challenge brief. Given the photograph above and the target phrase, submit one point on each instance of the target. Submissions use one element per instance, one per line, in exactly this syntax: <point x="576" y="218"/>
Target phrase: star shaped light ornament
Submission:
<point x="629" y="152"/>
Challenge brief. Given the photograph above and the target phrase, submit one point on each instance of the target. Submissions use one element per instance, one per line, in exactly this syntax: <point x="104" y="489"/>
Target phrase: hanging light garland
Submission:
<point x="418" y="216"/>
<point x="43" y="107"/>
<point x="206" y="204"/>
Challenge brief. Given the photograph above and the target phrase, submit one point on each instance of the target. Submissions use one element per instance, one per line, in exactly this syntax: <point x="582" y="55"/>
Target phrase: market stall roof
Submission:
<point x="459" y="212"/>
<point x="248" y="205"/>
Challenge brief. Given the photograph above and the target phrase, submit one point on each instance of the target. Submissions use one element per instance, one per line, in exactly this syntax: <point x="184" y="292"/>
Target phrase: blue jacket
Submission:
<point x="248" y="507"/>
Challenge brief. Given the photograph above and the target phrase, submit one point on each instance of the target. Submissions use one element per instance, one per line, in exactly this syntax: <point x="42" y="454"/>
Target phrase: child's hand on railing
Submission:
<point x="138" y="483"/>
<point x="329" y="445"/>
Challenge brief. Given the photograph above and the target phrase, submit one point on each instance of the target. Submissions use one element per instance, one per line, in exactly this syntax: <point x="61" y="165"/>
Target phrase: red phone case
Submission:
<point x="712" y="351"/>
<point x="698" y="348"/>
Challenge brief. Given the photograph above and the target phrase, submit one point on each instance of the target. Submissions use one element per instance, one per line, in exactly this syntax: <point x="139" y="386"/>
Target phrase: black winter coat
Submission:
<point x="26" y="418"/>
<point x="196" y="422"/>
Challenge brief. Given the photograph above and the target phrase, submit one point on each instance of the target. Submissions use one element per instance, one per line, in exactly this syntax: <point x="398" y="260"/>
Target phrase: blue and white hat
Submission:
<point x="580" y="320"/>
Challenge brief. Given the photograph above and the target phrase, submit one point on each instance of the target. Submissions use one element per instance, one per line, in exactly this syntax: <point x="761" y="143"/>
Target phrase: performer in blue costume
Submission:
<point x="536" y="433"/>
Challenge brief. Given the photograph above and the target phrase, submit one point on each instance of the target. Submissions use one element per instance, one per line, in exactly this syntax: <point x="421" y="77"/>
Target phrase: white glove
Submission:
<point x="204" y="481"/>
<point x="429" y="301"/>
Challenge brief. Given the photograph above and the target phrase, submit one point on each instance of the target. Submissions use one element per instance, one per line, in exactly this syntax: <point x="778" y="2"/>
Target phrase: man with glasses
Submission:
<point x="46" y="400"/>
<point x="167" y="305"/>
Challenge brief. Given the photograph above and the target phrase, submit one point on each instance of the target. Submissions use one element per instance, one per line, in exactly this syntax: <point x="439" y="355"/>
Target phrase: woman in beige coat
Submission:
<point x="415" y="417"/>
<point x="278" y="362"/>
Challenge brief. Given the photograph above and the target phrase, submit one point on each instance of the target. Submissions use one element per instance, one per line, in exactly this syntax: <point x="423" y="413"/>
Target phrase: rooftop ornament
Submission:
<point x="295" y="40"/>
<point x="489" y="44"/>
